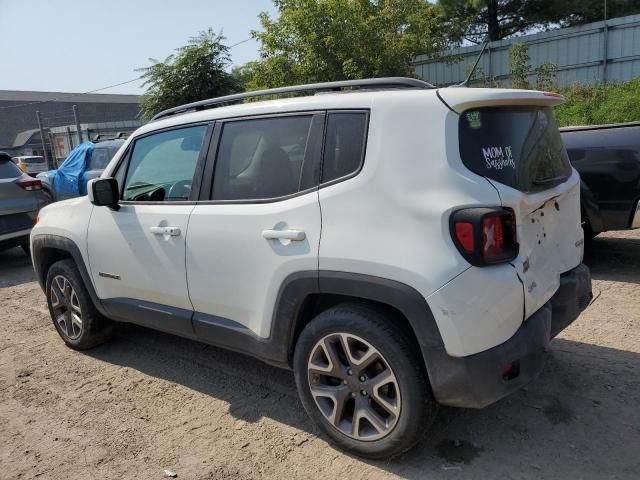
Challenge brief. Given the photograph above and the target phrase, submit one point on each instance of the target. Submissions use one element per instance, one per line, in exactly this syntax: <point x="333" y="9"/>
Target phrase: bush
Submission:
<point x="546" y="76"/>
<point x="600" y="104"/>
<point x="519" y="65"/>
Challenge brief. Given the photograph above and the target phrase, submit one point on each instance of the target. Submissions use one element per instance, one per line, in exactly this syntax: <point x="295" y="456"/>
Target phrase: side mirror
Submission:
<point x="104" y="192"/>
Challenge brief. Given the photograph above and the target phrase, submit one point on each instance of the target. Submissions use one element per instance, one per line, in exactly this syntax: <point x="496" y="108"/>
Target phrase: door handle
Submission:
<point x="171" y="231"/>
<point x="293" y="235"/>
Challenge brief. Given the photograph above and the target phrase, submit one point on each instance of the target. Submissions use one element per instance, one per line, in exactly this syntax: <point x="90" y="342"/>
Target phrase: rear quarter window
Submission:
<point x="519" y="147"/>
<point x="344" y="144"/>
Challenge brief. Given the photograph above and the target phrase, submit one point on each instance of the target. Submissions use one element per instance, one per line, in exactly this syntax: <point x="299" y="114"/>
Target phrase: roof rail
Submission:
<point x="366" y="84"/>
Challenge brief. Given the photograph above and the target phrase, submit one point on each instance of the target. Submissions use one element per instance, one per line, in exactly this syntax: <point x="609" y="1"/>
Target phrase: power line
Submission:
<point x="240" y="43"/>
<point x="111" y="86"/>
<point x="71" y="95"/>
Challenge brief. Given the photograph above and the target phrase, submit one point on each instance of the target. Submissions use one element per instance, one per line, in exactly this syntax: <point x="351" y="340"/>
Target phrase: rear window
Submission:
<point x="8" y="169"/>
<point x="517" y="146"/>
<point x="100" y="157"/>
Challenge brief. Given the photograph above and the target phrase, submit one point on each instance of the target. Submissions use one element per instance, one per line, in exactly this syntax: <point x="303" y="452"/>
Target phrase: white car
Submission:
<point x="31" y="165"/>
<point x="398" y="246"/>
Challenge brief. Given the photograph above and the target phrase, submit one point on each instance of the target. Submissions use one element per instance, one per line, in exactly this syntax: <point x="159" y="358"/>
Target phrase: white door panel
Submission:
<point x="149" y="263"/>
<point x="138" y="251"/>
<point x="239" y="254"/>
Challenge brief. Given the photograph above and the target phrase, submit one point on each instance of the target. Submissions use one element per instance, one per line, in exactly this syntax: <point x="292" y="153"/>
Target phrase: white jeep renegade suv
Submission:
<point x="398" y="246"/>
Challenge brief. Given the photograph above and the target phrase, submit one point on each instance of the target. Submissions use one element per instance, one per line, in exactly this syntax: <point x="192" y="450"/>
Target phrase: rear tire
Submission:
<point x="376" y="411"/>
<point x="74" y="315"/>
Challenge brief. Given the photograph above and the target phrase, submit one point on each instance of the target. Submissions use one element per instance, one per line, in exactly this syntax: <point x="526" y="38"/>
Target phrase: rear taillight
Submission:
<point x="485" y="236"/>
<point x="30" y="185"/>
<point x="492" y="236"/>
<point x="464" y="235"/>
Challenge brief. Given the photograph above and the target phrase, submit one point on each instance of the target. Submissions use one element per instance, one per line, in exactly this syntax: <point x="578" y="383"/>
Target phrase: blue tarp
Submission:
<point x="67" y="178"/>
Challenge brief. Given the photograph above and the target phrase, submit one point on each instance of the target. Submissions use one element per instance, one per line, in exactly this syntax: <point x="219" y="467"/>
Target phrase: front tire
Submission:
<point x="361" y="379"/>
<point x="74" y="315"/>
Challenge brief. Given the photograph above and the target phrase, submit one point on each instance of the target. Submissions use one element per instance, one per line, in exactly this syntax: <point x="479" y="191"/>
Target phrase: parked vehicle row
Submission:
<point x="398" y="246"/>
<point x="20" y="200"/>
<point x="86" y="162"/>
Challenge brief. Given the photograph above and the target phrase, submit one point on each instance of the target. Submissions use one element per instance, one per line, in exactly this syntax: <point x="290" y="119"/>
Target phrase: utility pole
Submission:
<point x="75" y="116"/>
<point x="605" y="46"/>
<point x="69" y="138"/>
<point x="44" y="145"/>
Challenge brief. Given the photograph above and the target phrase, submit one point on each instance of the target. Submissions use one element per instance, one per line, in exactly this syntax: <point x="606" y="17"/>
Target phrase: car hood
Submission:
<point x="62" y="204"/>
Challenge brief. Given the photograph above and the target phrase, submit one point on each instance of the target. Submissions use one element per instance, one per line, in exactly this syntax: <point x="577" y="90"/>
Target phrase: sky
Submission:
<point x="83" y="45"/>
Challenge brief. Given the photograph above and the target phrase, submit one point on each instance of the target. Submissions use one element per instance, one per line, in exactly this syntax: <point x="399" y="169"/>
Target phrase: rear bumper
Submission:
<point x="571" y="298"/>
<point x="478" y="380"/>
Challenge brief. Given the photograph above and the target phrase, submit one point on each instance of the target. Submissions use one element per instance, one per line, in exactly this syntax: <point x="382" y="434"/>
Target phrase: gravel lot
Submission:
<point x="148" y="402"/>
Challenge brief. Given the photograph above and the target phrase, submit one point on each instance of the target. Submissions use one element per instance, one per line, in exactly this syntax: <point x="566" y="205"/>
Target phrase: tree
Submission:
<point x="195" y="72"/>
<point x="477" y="20"/>
<point x="577" y="12"/>
<point x="243" y="74"/>
<point x="325" y="40"/>
<point x="520" y="69"/>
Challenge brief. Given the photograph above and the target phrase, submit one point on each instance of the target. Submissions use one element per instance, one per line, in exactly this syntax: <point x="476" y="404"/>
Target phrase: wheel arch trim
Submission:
<point x="39" y="245"/>
<point x="409" y="302"/>
<point x="590" y="209"/>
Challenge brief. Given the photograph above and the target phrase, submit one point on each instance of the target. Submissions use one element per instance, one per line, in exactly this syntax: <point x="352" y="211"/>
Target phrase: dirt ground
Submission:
<point x="147" y="402"/>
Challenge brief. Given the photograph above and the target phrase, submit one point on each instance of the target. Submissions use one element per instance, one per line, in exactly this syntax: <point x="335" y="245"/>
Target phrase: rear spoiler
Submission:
<point x="461" y="99"/>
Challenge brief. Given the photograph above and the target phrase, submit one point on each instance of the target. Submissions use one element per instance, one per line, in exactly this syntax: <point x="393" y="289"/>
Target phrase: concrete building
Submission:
<point x="19" y="134"/>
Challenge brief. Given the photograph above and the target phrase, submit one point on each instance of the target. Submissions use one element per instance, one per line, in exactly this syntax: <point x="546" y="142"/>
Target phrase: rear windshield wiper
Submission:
<point x="550" y="180"/>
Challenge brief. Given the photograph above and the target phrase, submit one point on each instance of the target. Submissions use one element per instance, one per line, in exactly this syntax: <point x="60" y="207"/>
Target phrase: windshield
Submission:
<point x="517" y="146"/>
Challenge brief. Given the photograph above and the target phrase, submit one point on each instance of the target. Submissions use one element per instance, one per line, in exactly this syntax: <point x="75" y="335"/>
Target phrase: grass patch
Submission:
<point x="600" y="104"/>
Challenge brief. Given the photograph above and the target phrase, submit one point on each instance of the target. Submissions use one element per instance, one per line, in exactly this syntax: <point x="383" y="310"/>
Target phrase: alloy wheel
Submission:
<point x="66" y="307"/>
<point x="354" y="387"/>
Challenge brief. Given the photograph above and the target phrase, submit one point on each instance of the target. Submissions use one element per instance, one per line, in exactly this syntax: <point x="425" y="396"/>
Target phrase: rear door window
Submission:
<point x="519" y="147"/>
<point x="8" y="169"/>
<point x="263" y="158"/>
